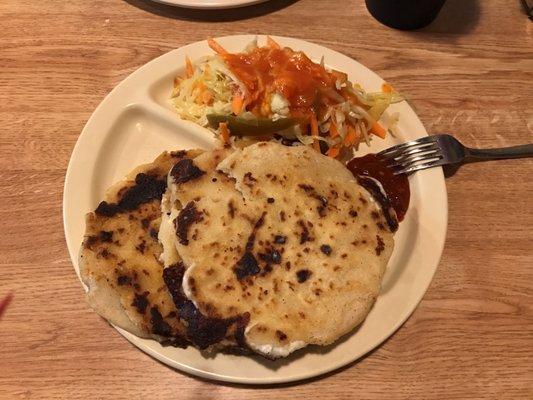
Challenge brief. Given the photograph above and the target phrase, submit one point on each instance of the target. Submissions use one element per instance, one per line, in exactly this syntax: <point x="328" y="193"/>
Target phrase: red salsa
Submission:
<point x="267" y="70"/>
<point x="396" y="186"/>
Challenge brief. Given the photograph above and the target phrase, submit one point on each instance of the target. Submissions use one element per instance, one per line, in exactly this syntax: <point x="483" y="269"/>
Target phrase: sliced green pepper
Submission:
<point x="251" y="126"/>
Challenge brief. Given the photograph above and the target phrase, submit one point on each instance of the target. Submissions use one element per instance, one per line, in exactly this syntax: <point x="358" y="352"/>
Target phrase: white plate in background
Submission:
<point x="210" y="4"/>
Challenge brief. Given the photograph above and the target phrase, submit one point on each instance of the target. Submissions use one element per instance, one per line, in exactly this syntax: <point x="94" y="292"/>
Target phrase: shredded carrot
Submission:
<point x="216" y="47"/>
<point x="188" y="66"/>
<point x="378" y="130"/>
<point x="199" y="87"/>
<point x="351" y="136"/>
<point x="206" y="97"/>
<point x="272" y="43"/>
<point x="314" y="131"/>
<point x="333" y="152"/>
<point x="224" y="131"/>
<point x="236" y="104"/>
<point x="333" y="131"/>
<point x="386" y="88"/>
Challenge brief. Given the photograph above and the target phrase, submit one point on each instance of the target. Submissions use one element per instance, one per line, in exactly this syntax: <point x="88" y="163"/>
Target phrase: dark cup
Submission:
<point x="405" y="14"/>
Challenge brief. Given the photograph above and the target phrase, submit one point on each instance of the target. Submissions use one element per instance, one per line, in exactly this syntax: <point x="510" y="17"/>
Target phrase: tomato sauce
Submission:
<point x="396" y="186"/>
<point x="267" y="70"/>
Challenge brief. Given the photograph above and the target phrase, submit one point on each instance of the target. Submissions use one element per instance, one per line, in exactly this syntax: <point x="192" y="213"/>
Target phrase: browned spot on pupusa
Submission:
<point x="140" y="302"/>
<point x="311" y="192"/>
<point x="188" y="216"/>
<point x="380" y="246"/>
<point x="280" y="239"/>
<point x="146" y="188"/>
<point x="248" y="179"/>
<point x="141" y="247"/>
<point x="247" y="265"/>
<point x="178" y="153"/>
<point x="105" y="236"/>
<point x="271" y="256"/>
<point x="145" y="223"/>
<point x="305" y="236"/>
<point x="326" y="249"/>
<point x="185" y="171"/>
<point x="102" y="236"/>
<point x="303" y="275"/>
<point x="123" y="280"/>
<point x="231" y="209"/>
<point x="104" y="253"/>
<point x="159" y="325"/>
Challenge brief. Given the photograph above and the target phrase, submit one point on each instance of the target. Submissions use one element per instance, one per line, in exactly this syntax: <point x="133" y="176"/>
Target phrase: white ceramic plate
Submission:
<point x="135" y="123"/>
<point x="212" y="4"/>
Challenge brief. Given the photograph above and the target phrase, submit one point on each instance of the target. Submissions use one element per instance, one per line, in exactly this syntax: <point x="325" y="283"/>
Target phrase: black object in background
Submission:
<point x="405" y="14"/>
<point x="528" y="8"/>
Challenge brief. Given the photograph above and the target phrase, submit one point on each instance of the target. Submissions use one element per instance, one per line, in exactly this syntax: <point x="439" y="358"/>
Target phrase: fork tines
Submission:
<point x="413" y="156"/>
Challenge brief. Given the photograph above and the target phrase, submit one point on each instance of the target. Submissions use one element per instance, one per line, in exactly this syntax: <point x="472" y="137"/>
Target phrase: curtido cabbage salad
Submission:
<point x="275" y="92"/>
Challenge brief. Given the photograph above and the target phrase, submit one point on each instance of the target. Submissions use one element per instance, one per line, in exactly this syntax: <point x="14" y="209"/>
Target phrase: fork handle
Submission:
<point x="525" y="150"/>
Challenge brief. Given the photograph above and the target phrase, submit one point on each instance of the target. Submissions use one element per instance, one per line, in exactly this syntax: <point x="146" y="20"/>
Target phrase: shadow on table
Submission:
<point x="231" y="14"/>
<point x="450" y="170"/>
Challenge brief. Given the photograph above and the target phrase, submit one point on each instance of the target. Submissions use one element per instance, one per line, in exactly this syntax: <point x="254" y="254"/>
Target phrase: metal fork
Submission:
<point x="438" y="150"/>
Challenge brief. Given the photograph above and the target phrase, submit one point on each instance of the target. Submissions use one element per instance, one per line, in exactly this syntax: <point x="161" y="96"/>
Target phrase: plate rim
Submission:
<point x="209" y="5"/>
<point x="214" y="376"/>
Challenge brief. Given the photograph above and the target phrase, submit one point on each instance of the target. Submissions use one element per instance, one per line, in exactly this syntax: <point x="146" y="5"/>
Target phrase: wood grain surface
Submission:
<point x="470" y="73"/>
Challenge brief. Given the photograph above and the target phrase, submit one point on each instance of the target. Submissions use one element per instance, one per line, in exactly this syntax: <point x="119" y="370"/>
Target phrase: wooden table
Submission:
<point x="470" y="74"/>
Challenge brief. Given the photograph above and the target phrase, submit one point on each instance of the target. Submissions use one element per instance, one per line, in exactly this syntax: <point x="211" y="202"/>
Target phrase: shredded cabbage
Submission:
<point x="347" y="107"/>
<point x="211" y="75"/>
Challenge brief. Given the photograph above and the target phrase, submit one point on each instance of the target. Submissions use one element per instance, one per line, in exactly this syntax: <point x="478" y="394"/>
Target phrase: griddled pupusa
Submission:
<point x="281" y="241"/>
<point x="204" y="329"/>
<point x="119" y="258"/>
